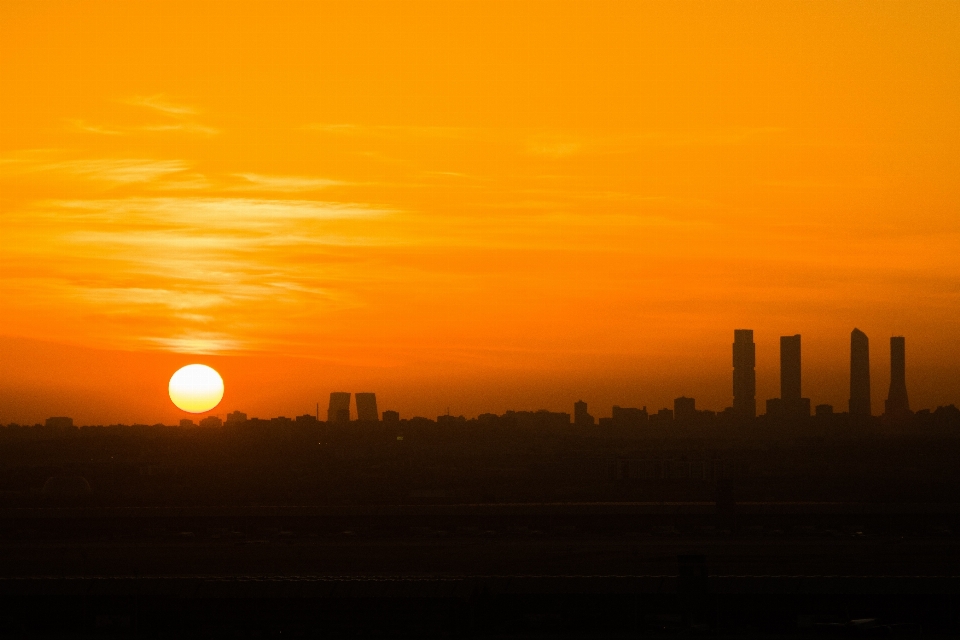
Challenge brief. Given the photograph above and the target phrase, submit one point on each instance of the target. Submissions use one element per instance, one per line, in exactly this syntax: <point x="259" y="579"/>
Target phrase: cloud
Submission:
<point x="166" y="175"/>
<point x="242" y="214"/>
<point x="393" y="131"/>
<point x="203" y="343"/>
<point x="180" y="117"/>
<point x="184" y="182"/>
<point x="116" y="170"/>
<point x="81" y="125"/>
<point x="169" y="298"/>
<point x="160" y="103"/>
<point x="286" y="184"/>
<point x="122" y="170"/>
<point x="186" y="127"/>
<point x="190" y="274"/>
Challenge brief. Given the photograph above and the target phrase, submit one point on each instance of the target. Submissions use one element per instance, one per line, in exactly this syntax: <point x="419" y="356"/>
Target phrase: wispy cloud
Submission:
<point x="240" y="214"/>
<point x="161" y="103"/>
<point x="115" y="170"/>
<point x="392" y="131"/>
<point x="185" y="127"/>
<point x="121" y="170"/>
<point x="184" y="181"/>
<point x="282" y="184"/>
<point x="177" y="118"/>
<point x="165" y="175"/>
<point x="86" y="127"/>
<point x="189" y="274"/>
<point x="169" y="298"/>
<point x="200" y="343"/>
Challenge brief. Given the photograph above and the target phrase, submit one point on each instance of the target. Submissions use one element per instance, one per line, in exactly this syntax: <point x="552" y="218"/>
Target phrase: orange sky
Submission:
<point x="473" y="205"/>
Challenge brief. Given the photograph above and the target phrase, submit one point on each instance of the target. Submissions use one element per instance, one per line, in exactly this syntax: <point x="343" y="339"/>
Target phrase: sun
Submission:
<point x="196" y="388"/>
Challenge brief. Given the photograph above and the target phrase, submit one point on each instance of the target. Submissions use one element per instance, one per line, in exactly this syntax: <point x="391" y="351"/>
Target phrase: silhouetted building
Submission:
<point x="744" y="374"/>
<point x="775" y="408"/>
<point x="305" y="419"/>
<point x="897" y="404"/>
<point x="823" y="410"/>
<point x="367" y="407"/>
<point x="628" y="417"/>
<point x="580" y="416"/>
<point x="211" y="421"/>
<point x="685" y="409"/>
<point x="59" y="423"/>
<point x="451" y="421"/>
<point x="236" y="417"/>
<point x="187" y="422"/>
<point x="662" y="418"/>
<point x="781" y="411"/>
<point x="541" y="420"/>
<point x="790" y="369"/>
<point x="391" y="417"/>
<point x="339" y="410"/>
<point x="791" y="406"/>
<point x="859" y="374"/>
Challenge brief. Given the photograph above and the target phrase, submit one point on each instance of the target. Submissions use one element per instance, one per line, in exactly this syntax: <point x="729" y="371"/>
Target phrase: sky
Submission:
<point x="472" y="206"/>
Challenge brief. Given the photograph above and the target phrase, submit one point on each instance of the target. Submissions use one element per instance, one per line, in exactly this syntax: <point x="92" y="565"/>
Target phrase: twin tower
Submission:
<point x="339" y="410"/>
<point x="791" y="403"/>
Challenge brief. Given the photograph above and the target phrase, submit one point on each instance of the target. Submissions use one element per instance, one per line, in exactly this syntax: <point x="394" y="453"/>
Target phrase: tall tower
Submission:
<point x="790" y="370"/>
<point x="859" y="374"/>
<point x="744" y="374"/>
<point x="367" y="407"/>
<point x="339" y="410"/>
<point x="791" y="405"/>
<point x="897" y="403"/>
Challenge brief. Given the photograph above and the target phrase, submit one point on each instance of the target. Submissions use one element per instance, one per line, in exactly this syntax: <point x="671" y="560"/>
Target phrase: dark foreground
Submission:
<point x="490" y="570"/>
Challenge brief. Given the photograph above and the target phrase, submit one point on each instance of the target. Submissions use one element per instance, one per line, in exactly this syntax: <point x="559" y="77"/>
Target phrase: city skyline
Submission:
<point x="789" y="406"/>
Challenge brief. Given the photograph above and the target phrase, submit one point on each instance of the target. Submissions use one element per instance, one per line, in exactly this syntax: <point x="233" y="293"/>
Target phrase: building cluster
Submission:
<point x="791" y="405"/>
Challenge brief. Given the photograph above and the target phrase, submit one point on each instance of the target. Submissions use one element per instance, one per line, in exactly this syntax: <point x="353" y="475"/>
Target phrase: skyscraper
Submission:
<point x="897" y="403"/>
<point x="790" y="370"/>
<point x="744" y="374"/>
<point x="367" y="407"/>
<point x="792" y="405"/>
<point x="859" y="374"/>
<point x="339" y="410"/>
